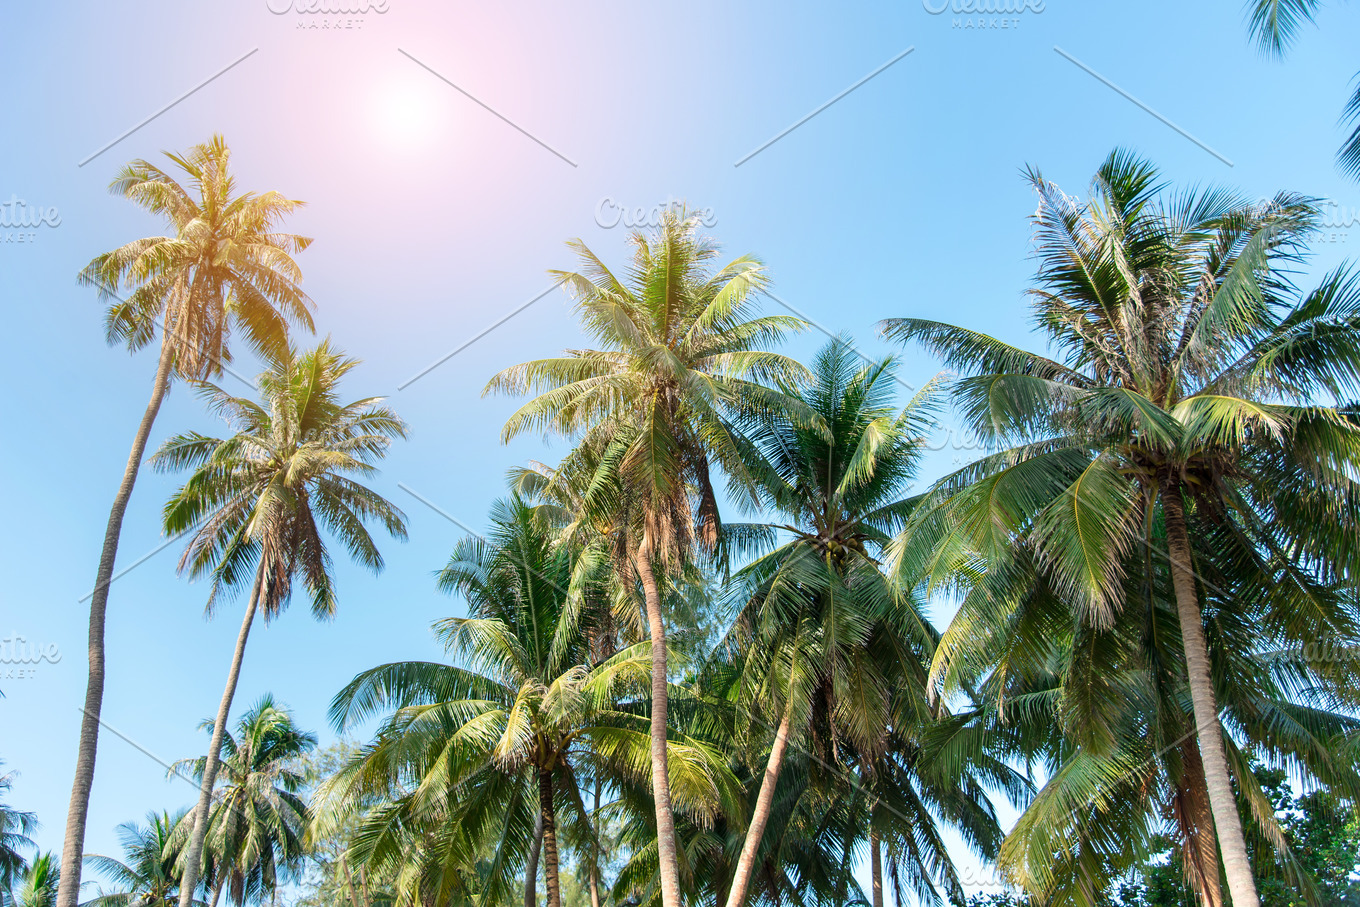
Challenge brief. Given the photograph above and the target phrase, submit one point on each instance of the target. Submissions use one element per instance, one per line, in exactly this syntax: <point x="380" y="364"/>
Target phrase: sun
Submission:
<point x="408" y="113"/>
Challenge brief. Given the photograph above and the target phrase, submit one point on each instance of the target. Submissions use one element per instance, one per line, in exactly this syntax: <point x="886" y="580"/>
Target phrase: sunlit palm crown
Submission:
<point x="679" y="351"/>
<point x="224" y="264"/>
<point x="260" y="499"/>
<point x="1183" y="353"/>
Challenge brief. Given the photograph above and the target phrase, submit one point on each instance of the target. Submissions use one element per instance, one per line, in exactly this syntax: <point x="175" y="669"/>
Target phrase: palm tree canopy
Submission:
<point x="679" y="350"/>
<point x="462" y="746"/>
<point x="16" y="827"/>
<point x="1183" y="349"/>
<point x="147" y="876"/>
<point x="226" y="264"/>
<point x="259" y="499"/>
<point x="259" y="819"/>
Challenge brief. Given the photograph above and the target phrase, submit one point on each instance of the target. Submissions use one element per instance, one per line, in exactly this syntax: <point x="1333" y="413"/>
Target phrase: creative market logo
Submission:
<point x="20" y="659"/>
<point x="1337" y="220"/>
<point x="610" y="214"/>
<point x="984" y="15"/>
<point x="328" y="15"/>
<point x="20" y="222"/>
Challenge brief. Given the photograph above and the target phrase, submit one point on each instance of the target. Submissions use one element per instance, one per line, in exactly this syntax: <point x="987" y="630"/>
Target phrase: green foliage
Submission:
<point x="258" y="819"/>
<point x="148" y="874"/>
<point x="16" y="826"/>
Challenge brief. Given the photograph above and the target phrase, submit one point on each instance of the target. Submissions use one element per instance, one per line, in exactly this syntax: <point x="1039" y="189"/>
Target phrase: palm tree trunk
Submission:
<point x="194" y="856"/>
<point x="545" y="809"/>
<point x="667" y="855"/>
<point x="1222" y="802"/>
<point x="217" y="891"/>
<point x="363" y="884"/>
<point x="876" y="867"/>
<point x="531" y="868"/>
<point x="349" y="881"/>
<point x="73" y="846"/>
<point x="741" y="880"/>
<point x="595" y="850"/>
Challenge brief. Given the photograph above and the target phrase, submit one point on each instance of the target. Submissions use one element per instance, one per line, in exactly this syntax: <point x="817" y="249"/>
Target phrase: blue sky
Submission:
<point x="435" y="218"/>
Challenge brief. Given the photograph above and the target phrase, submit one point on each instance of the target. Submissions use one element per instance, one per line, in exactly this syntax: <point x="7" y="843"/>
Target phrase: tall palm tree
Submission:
<point x="1275" y="24"/>
<point x="1184" y="394"/>
<point x="258" y="822"/>
<point x="1107" y="713"/>
<point x="223" y="265"/>
<point x="16" y="828"/>
<point x="148" y="875"/>
<point x="495" y="754"/>
<point x="264" y="495"/>
<point x="678" y="353"/>
<point x="825" y="642"/>
<point x="38" y="884"/>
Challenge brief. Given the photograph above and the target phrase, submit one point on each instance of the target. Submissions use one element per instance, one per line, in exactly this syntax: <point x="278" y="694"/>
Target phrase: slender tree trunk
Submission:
<point x="1222" y="802"/>
<point x="217" y="891"/>
<point x="741" y="880"/>
<point x="667" y="854"/>
<point x="876" y="867"/>
<point x="595" y="850"/>
<point x="363" y="884"/>
<point x="531" y="868"/>
<point x="349" y="882"/>
<point x="73" y="847"/>
<point x="194" y="856"/>
<point x="550" y="867"/>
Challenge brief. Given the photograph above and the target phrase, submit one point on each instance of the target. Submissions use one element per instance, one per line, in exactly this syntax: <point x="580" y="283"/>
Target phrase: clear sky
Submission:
<point x="438" y="209"/>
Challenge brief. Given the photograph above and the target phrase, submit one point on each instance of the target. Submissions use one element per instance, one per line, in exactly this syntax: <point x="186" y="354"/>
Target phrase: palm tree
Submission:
<point x="38" y="885"/>
<point x="1107" y="713"/>
<point x="16" y="827"/>
<point x="223" y="265"/>
<point x="1275" y="24"/>
<point x="678" y="353"/>
<point x="148" y="875"/>
<point x="263" y="496"/>
<point x="495" y="754"/>
<point x="257" y="825"/>
<point x="825" y="643"/>
<point x="1184" y="392"/>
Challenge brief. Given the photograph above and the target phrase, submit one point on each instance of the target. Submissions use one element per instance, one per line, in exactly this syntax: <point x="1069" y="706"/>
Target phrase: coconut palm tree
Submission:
<point x="491" y="756"/>
<point x="148" y="875"/>
<point x="258" y="819"/>
<point x="825" y="643"/>
<point x="263" y="497"/>
<point x="1107" y="713"/>
<point x="16" y="827"/>
<point x="223" y="265"/>
<point x="1275" y="24"/>
<point x="810" y="608"/>
<point x="678" y="353"/>
<point x="1185" y="394"/>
